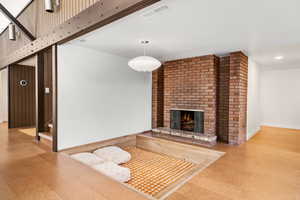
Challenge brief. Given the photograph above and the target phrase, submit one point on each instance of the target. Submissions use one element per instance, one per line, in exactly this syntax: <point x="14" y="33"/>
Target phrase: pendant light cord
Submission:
<point x="145" y="42"/>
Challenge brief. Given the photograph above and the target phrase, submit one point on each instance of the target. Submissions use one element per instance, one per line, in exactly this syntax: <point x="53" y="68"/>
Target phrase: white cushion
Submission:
<point x="87" y="158"/>
<point x="114" y="171"/>
<point x="113" y="154"/>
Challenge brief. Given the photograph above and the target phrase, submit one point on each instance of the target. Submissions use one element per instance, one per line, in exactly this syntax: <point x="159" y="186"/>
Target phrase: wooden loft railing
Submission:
<point x="56" y="28"/>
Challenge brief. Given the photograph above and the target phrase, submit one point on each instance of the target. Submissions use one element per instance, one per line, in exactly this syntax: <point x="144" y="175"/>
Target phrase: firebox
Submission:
<point x="187" y="120"/>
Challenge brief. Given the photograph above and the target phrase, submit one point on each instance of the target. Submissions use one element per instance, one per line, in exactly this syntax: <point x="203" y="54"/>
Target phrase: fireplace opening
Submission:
<point x="187" y="120"/>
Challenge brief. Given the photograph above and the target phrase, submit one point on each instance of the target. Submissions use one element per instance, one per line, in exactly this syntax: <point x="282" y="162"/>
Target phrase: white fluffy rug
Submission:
<point x="114" y="171"/>
<point x="113" y="154"/>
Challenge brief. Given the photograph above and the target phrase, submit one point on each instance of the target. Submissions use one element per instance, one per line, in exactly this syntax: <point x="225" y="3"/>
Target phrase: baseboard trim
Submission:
<point x="254" y="134"/>
<point x="279" y="128"/>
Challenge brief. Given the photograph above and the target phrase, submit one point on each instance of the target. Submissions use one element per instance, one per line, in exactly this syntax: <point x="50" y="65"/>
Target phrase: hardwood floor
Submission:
<point x="266" y="167"/>
<point x="29" y="171"/>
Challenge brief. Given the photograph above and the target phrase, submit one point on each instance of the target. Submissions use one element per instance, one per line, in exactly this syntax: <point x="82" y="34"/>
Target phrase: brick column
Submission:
<point x="223" y="100"/>
<point x="238" y="85"/>
<point x="158" y="98"/>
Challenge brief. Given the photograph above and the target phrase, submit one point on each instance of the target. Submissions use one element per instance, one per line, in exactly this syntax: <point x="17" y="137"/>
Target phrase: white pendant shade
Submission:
<point x="144" y="64"/>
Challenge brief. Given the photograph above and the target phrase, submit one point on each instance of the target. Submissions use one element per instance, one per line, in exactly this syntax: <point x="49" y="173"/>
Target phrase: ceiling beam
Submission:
<point x="3" y="68"/>
<point x="16" y="22"/>
<point x="96" y="16"/>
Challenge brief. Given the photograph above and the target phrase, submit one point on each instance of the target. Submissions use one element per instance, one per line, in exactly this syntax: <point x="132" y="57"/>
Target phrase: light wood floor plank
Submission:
<point x="267" y="167"/>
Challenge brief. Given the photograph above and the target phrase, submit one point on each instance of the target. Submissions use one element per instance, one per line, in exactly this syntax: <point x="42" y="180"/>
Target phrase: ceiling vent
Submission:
<point x="155" y="10"/>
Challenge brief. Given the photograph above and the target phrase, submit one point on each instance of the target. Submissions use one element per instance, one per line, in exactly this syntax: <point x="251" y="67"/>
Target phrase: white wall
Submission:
<point x="99" y="97"/>
<point x="254" y="109"/>
<point x="273" y="97"/>
<point x="3" y="95"/>
<point x="280" y="97"/>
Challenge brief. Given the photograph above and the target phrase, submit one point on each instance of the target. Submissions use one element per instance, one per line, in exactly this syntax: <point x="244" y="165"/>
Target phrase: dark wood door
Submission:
<point x="21" y="96"/>
<point x="47" y="97"/>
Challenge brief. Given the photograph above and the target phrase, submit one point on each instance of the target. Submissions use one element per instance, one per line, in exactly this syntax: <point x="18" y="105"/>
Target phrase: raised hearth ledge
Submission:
<point x="185" y="136"/>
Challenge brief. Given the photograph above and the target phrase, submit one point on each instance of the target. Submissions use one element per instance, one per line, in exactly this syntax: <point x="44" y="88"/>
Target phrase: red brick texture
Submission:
<point x="223" y="100"/>
<point x="238" y="85"/>
<point x="218" y="86"/>
<point x="191" y="84"/>
<point x="157" y="98"/>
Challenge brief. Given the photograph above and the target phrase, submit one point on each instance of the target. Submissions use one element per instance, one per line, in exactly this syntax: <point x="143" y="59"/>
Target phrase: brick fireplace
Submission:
<point x="187" y="120"/>
<point x="216" y="86"/>
<point x="190" y="84"/>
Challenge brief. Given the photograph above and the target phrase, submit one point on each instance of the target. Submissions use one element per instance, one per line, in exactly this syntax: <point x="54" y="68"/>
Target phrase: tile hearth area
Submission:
<point x="185" y="136"/>
<point x="186" y="125"/>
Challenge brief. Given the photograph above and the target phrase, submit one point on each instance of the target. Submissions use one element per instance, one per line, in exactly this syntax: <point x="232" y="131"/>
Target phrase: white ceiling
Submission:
<point x="14" y="7"/>
<point x="262" y="29"/>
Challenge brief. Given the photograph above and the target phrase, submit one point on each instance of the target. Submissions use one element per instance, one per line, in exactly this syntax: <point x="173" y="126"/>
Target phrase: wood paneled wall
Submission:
<point x="40" y="23"/>
<point x="67" y="9"/>
<point x="47" y="98"/>
<point x="21" y="99"/>
<point x="44" y="99"/>
<point x="95" y="16"/>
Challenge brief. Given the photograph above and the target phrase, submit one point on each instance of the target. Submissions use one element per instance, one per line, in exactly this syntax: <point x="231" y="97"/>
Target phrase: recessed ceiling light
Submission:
<point x="278" y="57"/>
<point x="82" y="40"/>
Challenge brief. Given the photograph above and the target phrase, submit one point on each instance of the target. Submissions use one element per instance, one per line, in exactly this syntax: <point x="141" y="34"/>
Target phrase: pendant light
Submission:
<point x="49" y="6"/>
<point x="12" y="31"/>
<point x="144" y="63"/>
